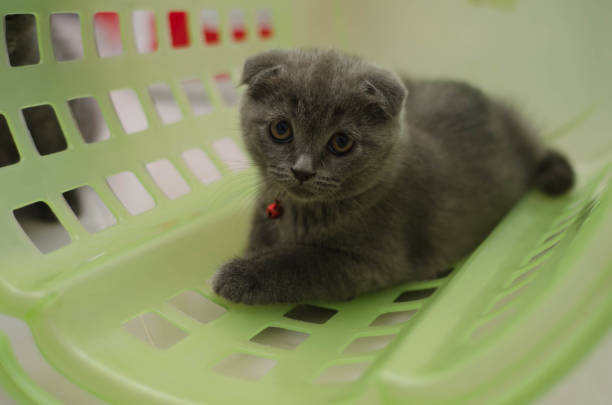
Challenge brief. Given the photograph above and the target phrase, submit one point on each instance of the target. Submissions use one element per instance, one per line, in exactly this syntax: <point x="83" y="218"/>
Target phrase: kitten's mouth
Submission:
<point x="312" y="190"/>
<point x="301" y="192"/>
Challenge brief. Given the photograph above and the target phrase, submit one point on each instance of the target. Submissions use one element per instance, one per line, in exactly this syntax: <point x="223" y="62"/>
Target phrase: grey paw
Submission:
<point x="236" y="282"/>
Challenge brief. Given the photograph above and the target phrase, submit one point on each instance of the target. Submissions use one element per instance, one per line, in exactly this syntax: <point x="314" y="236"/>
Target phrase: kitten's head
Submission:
<point x="320" y="125"/>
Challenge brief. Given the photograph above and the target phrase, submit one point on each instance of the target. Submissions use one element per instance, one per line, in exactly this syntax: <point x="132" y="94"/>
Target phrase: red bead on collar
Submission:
<point x="274" y="210"/>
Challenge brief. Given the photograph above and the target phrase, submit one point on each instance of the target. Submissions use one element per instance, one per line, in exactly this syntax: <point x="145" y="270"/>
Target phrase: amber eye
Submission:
<point x="340" y="144"/>
<point x="280" y="131"/>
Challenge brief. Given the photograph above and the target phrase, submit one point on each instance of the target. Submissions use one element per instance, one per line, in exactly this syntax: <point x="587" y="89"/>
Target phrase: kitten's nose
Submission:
<point x="302" y="169"/>
<point x="302" y="175"/>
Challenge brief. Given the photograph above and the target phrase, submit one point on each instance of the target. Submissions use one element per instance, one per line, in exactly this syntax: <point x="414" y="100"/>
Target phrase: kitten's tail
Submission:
<point x="554" y="174"/>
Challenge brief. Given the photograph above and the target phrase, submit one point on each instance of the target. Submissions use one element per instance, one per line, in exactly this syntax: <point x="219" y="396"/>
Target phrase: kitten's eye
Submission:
<point x="280" y="131"/>
<point x="340" y="144"/>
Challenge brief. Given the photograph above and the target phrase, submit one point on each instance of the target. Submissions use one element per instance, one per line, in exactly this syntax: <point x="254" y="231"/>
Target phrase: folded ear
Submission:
<point x="262" y="63"/>
<point x="386" y="89"/>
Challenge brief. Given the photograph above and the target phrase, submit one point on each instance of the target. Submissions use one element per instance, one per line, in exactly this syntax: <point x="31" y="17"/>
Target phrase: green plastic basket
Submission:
<point x="126" y="315"/>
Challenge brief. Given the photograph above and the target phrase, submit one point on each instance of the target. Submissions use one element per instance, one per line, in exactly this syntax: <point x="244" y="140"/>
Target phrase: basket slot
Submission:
<point x="264" y="24"/>
<point x="44" y="129"/>
<point x="21" y="39"/>
<point x="9" y="155"/>
<point x="129" y="110"/>
<point x="414" y="295"/>
<point x="89" y="208"/>
<point x="555" y="235"/>
<point x="42" y="227"/>
<point x="238" y="25"/>
<point x="230" y="154"/>
<point x="393" y="318"/>
<point x="167" y="178"/>
<point x="209" y="20"/>
<point x="130" y="192"/>
<point x="544" y="252"/>
<point x="66" y="36"/>
<point x="508" y="298"/>
<point x="523" y="276"/>
<point x="108" y="34"/>
<point x="179" y="29"/>
<point x="201" y="166"/>
<point x="165" y="104"/>
<point x="311" y="314"/>
<point x="367" y="344"/>
<point x="197" y="96"/>
<point x="280" y="337"/>
<point x="197" y="306"/>
<point x="342" y="373"/>
<point x="145" y="31"/>
<point x="245" y="366"/>
<point x="89" y="120"/>
<point x="155" y="330"/>
<point x="226" y="89"/>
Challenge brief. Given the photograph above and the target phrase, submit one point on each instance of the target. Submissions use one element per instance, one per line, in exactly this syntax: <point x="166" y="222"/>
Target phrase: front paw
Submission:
<point x="236" y="281"/>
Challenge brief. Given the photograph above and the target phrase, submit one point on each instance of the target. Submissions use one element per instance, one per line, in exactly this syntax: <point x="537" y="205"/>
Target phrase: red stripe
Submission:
<point x="265" y="31"/>
<point x="211" y="35"/>
<point x="178" y="28"/>
<point x="153" y="32"/>
<point x="239" y="34"/>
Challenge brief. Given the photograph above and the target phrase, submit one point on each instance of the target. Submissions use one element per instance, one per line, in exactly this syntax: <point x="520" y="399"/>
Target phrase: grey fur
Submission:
<point x="430" y="175"/>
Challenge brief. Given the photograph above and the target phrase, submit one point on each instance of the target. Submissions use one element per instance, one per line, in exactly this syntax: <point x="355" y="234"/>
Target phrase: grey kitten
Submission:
<point x="379" y="181"/>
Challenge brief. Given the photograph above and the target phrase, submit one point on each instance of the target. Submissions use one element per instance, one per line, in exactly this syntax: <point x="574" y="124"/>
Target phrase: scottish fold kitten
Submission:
<point x="369" y="180"/>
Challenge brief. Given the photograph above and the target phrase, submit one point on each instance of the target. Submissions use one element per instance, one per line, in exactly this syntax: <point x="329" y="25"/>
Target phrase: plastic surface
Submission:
<point x="127" y="312"/>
